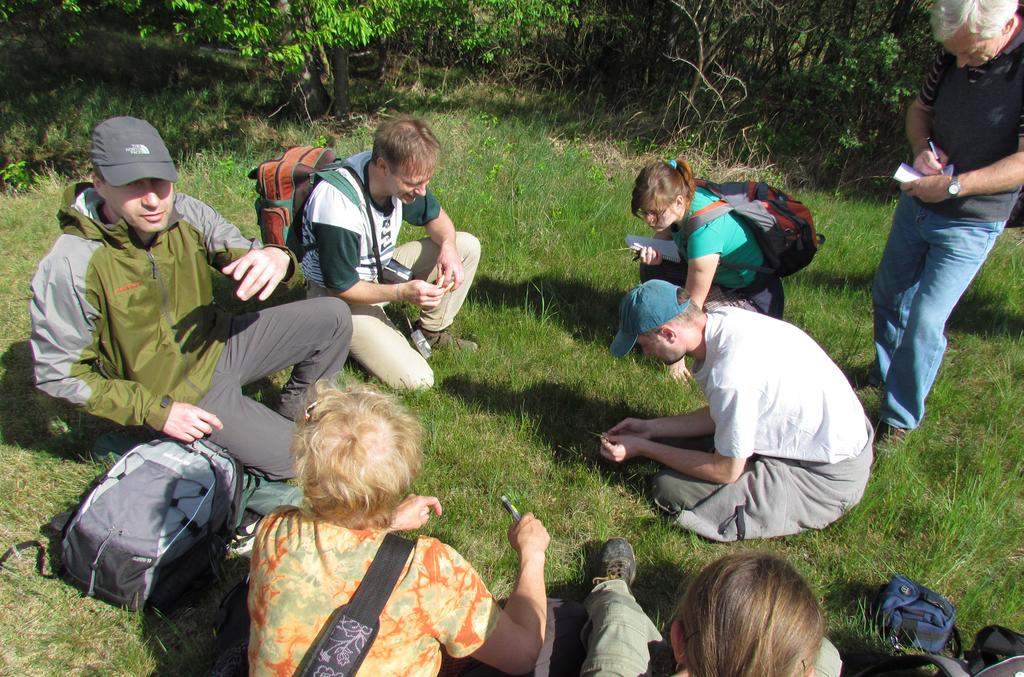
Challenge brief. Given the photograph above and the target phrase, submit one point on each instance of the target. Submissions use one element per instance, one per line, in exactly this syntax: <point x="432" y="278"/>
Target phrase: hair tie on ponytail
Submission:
<point x="673" y="164"/>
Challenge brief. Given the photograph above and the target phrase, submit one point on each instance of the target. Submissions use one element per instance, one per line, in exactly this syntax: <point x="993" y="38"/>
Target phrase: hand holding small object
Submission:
<point x="619" y="449"/>
<point x="930" y="160"/>
<point x="507" y="504"/>
<point x="646" y="255"/>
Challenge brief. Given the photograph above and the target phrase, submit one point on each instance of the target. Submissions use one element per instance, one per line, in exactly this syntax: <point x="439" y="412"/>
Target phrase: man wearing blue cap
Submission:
<point x="123" y="320"/>
<point x="792" y="445"/>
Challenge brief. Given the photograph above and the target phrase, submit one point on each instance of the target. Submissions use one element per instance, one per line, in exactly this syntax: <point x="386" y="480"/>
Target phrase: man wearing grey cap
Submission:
<point x="791" y="443"/>
<point x="123" y="319"/>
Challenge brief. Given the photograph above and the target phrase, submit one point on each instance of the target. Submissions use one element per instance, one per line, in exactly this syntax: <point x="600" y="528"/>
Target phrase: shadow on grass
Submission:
<point x="173" y="640"/>
<point x="32" y="420"/>
<point x="156" y="79"/>
<point x="840" y="282"/>
<point x="555" y="109"/>
<point x="979" y="313"/>
<point x="986" y="315"/>
<point x="857" y="653"/>
<point x="588" y="314"/>
<point x="202" y="100"/>
<point x="566" y="422"/>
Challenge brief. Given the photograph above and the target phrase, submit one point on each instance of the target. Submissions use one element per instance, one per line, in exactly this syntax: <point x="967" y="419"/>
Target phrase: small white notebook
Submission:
<point x="667" y="248"/>
<point x="907" y="173"/>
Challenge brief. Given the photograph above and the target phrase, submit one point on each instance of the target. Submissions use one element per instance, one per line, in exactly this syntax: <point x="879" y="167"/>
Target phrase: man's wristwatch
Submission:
<point x="954" y="186"/>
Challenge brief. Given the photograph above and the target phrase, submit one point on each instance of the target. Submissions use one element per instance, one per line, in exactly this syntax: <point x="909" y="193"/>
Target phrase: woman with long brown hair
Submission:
<point x="748" y="614"/>
<point x="722" y="261"/>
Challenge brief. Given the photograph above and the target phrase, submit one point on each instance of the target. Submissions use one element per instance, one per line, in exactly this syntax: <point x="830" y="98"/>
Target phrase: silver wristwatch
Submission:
<point x="954" y="186"/>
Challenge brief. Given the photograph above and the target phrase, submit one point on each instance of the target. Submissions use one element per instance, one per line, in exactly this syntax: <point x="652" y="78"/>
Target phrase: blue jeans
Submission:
<point x="929" y="261"/>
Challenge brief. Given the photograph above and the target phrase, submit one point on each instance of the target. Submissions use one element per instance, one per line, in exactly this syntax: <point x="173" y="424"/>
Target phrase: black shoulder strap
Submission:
<point x="380" y="580"/>
<point x="369" y="222"/>
<point x="992" y="644"/>
<point x="948" y="667"/>
<point x="340" y="648"/>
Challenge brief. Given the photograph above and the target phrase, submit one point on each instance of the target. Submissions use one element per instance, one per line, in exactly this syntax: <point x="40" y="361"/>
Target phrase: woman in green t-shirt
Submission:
<point x="721" y="257"/>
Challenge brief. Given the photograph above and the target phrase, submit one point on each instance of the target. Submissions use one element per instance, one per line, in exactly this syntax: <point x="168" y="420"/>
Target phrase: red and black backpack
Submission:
<point x="783" y="226"/>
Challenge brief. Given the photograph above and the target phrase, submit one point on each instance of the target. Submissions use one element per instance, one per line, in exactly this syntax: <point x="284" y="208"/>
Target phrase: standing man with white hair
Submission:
<point x="968" y="116"/>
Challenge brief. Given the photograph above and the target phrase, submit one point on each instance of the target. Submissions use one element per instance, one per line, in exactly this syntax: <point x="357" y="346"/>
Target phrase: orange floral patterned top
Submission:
<point x="303" y="568"/>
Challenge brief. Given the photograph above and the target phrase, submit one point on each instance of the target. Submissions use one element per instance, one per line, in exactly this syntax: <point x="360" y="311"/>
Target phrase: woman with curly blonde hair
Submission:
<point x="357" y="453"/>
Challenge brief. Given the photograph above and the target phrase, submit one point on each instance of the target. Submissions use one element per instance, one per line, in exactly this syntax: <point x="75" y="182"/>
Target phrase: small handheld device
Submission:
<point x="421" y="343"/>
<point x="507" y="504"/>
<point x="395" y="273"/>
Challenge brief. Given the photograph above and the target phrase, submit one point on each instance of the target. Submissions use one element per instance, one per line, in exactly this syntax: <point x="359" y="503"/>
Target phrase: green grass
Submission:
<point x="518" y="415"/>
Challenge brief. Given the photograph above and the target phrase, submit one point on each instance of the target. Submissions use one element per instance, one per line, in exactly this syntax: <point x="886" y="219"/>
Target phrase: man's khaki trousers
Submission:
<point x="378" y="345"/>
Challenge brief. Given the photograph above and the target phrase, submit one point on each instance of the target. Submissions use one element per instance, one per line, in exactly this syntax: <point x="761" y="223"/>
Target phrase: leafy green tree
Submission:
<point x="311" y="39"/>
<point x="483" y="32"/>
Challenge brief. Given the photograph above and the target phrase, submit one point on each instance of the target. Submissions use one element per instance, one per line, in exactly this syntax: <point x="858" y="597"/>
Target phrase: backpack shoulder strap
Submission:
<point x="947" y="667"/>
<point x="25" y="545"/>
<point x="333" y="177"/>
<point x="369" y="221"/>
<point x="707" y="214"/>
<point x="380" y="580"/>
<point x="365" y="607"/>
<point x="992" y="644"/>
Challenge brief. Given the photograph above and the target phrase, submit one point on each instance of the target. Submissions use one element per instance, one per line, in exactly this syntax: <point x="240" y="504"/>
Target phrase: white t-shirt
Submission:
<point x="773" y="391"/>
<point x="338" y="266"/>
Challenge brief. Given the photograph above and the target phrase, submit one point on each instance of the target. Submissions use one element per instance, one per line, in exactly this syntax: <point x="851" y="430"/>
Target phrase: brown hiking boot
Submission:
<point x="616" y="562"/>
<point x="445" y="339"/>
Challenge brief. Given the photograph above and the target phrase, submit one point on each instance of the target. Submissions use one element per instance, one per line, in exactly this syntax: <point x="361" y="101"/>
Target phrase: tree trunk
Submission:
<point x="308" y="95"/>
<point x="339" y="68"/>
<point x="306" y="91"/>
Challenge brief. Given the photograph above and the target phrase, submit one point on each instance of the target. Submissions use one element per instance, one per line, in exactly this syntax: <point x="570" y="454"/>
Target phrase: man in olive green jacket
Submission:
<point x="123" y="319"/>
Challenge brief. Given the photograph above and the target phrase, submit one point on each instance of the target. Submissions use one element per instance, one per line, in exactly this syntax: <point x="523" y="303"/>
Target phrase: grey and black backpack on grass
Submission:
<point x="156" y="526"/>
<point x="997" y="652"/>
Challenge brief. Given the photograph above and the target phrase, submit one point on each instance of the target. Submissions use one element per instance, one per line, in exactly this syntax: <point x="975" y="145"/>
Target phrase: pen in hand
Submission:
<point x="935" y="151"/>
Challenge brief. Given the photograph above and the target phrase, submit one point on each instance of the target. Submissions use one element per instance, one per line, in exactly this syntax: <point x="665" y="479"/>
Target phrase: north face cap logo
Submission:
<point x="137" y="149"/>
